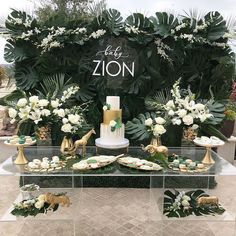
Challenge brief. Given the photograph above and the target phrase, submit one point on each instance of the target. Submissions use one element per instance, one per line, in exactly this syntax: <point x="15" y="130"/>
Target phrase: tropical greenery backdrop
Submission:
<point x="165" y="48"/>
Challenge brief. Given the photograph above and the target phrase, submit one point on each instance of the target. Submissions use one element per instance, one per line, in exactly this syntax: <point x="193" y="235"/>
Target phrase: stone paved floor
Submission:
<point x="113" y="212"/>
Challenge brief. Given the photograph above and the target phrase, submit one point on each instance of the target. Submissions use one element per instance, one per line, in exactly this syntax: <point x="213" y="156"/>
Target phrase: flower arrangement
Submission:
<point x="35" y="206"/>
<point x="156" y="126"/>
<point x="183" y="110"/>
<point x="43" y="111"/>
<point x="182" y="204"/>
<point x="115" y="124"/>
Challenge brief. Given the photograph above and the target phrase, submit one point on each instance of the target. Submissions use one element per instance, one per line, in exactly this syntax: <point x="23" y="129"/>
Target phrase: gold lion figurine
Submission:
<point x="54" y="199"/>
<point x="213" y="200"/>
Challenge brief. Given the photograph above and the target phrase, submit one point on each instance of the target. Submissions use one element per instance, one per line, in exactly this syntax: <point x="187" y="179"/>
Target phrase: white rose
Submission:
<point x="12" y="113"/>
<point x="195" y="126"/>
<point x="105" y="108"/>
<point x="39" y="204"/>
<point x="171" y="112"/>
<point x="182" y="113"/>
<point x="159" y="130"/>
<point x="43" y="102"/>
<point x="22" y="102"/>
<point x="188" y="120"/>
<point x="41" y="198"/>
<point x="185" y="203"/>
<point x="34" y="99"/>
<point x="55" y="103"/>
<point x="148" y="122"/>
<point x="60" y="112"/>
<point x="160" y="121"/>
<point x="176" y="121"/>
<point x="170" y="104"/>
<point x="64" y="120"/>
<point x="45" y="112"/>
<point x="67" y="128"/>
<point x="186" y="197"/>
<point x="74" y="119"/>
<point x="112" y="123"/>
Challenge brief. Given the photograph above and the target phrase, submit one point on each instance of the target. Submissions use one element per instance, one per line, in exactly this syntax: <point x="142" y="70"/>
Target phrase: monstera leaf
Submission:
<point x="217" y="27"/>
<point x="113" y="20"/>
<point x="12" y="98"/>
<point x="26" y="78"/>
<point x="163" y="23"/>
<point x="217" y="110"/>
<point x="139" y="21"/>
<point x="14" y="53"/>
<point x="137" y="129"/>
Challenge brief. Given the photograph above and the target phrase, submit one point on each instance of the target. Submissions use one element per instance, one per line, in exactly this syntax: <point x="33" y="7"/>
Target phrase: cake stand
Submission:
<point x="100" y="143"/>
<point x="208" y="160"/>
<point x="21" y="158"/>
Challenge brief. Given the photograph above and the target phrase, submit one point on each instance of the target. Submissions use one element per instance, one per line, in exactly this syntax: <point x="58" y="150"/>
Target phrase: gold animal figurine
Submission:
<point x="152" y="149"/>
<point x="213" y="200"/>
<point x="54" y="199"/>
<point x="83" y="141"/>
<point x="67" y="147"/>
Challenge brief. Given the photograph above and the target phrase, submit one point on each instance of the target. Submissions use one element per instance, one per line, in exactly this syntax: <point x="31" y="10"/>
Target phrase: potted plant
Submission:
<point x="228" y="123"/>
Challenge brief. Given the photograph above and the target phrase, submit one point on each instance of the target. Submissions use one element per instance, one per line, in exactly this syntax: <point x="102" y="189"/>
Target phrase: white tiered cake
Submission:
<point x="112" y="138"/>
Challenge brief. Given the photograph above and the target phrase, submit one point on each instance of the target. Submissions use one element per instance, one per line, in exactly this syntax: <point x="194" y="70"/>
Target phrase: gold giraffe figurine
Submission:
<point x="83" y="141"/>
<point x="67" y="147"/>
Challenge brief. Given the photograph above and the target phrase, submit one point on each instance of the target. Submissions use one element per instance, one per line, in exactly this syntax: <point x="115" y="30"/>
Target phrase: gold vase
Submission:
<point x="156" y="141"/>
<point x="67" y="146"/>
<point x="43" y="134"/>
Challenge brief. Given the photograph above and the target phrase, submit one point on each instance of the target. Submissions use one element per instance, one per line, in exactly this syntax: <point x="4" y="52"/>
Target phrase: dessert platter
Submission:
<point x="20" y="142"/>
<point x="187" y="165"/>
<point x="95" y="162"/>
<point x="208" y="143"/>
<point x="45" y="165"/>
<point x="139" y="164"/>
<point x="112" y="135"/>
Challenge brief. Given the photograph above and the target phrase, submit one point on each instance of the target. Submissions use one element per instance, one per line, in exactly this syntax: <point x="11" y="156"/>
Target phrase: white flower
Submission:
<point x="182" y="113"/>
<point x="195" y="126"/>
<point x="41" y="198"/>
<point x="34" y="99"/>
<point x="112" y="123"/>
<point x="148" y="122"/>
<point x="105" y="108"/>
<point x="160" y="121"/>
<point x="43" y="102"/>
<point x="176" y="121"/>
<point x="98" y="33"/>
<point x="186" y="197"/>
<point x="64" y="120"/>
<point x="54" y="44"/>
<point x="199" y="106"/>
<point x="45" y="112"/>
<point x="185" y="203"/>
<point x="60" y="112"/>
<point x="188" y="120"/>
<point x="55" y="103"/>
<point x="67" y="128"/>
<point x="24" y="112"/>
<point x="22" y="102"/>
<point x="74" y="119"/>
<point x="12" y="113"/>
<point x="158" y="130"/>
<point x="170" y="104"/>
<point x="171" y="112"/>
<point x="39" y="204"/>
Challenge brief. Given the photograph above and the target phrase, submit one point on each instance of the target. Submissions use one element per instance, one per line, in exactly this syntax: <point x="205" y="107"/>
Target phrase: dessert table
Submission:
<point x="77" y="183"/>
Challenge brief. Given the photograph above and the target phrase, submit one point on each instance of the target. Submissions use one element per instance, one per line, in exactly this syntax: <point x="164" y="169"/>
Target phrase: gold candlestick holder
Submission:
<point x="21" y="159"/>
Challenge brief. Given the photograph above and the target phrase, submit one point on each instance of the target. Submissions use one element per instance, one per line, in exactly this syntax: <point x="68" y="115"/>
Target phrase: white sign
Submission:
<point x="103" y="68"/>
